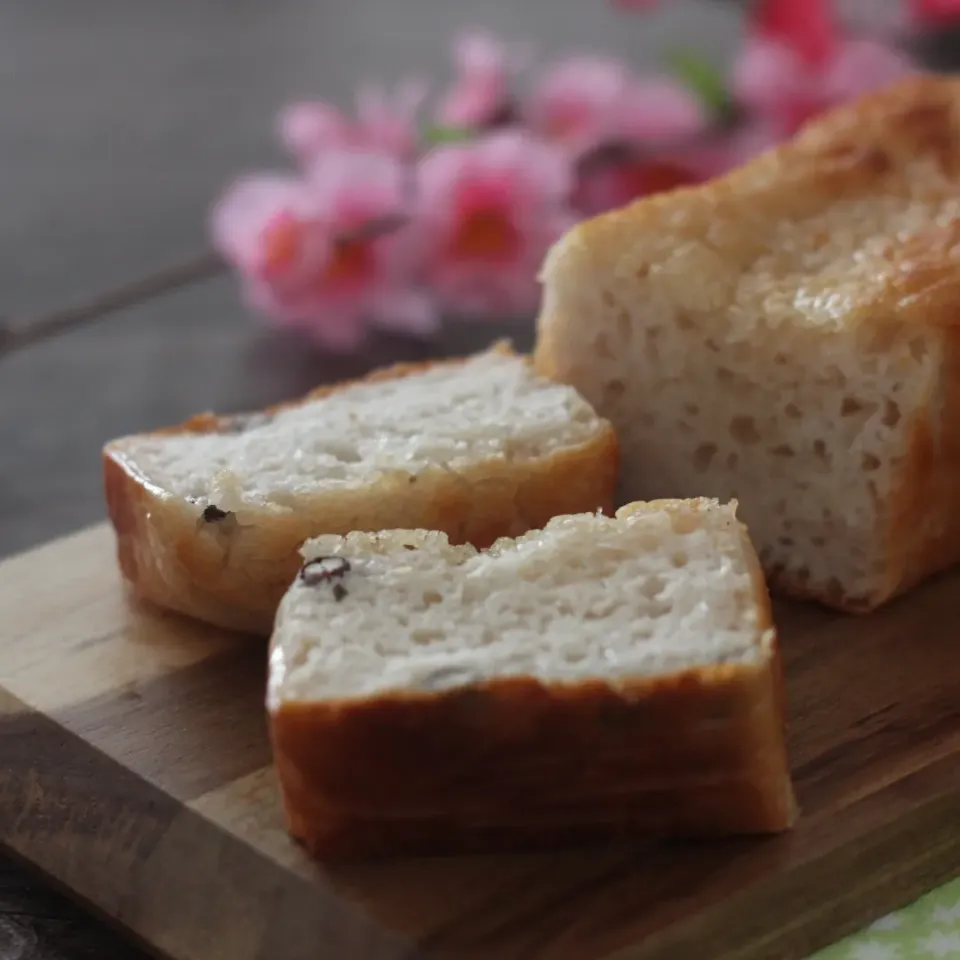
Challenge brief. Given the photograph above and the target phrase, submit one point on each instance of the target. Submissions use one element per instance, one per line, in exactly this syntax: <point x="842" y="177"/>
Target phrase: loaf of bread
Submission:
<point x="789" y="335"/>
<point x="604" y="677"/>
<point x="209" y="515"/>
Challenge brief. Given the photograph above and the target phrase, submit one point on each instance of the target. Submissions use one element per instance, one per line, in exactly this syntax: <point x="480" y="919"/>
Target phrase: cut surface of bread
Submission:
<point x="601" y="677"/>
<point x="788" y="335"/>
<point x="210" y="515"/>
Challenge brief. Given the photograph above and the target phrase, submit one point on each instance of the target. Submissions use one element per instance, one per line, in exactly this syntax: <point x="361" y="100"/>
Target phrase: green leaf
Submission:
<point x="435" y="135"/>
<point x="704" y="79"/>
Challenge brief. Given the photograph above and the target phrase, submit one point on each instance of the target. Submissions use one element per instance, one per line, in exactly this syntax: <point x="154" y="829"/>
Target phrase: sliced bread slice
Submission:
<point x="602" y="677"/>
<point x="210" y="515"/>
<point x="789" y="335"/>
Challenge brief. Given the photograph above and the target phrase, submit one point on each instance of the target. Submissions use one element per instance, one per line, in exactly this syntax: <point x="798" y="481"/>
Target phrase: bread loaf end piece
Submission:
<point x="787" y="335"/>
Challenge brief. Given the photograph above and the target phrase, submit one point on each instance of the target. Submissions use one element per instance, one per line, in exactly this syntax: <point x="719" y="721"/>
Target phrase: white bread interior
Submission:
<point x="491" y="406"/>
<point x="659" y="589"/>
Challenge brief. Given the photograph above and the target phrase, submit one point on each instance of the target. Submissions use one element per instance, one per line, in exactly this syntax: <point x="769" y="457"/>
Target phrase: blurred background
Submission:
<point x="123" y="121"/>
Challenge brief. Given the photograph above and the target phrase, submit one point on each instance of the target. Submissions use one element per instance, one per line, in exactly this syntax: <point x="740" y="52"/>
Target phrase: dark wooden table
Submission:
<point x="119" y="122"/>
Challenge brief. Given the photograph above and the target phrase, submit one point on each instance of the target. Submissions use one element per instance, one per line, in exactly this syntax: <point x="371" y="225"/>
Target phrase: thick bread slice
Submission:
<point x="789" y="335"/>
<point x="601" y="677"/>
<point x="210" y="515"/>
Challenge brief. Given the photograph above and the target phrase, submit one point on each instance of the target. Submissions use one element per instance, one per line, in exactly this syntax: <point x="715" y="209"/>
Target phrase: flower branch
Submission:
<point x="415" y="206"/>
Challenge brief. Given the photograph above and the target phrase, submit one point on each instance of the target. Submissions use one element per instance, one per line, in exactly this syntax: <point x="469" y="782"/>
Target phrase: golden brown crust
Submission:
<point x="234" y="572"/>
<point x="878" y="134"/>
<point x="925" y="535"/>
<point x="521" y="763"/>
<point x="515" y="763"/>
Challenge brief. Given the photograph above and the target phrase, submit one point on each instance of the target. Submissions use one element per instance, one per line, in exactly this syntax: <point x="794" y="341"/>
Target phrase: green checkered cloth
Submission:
<point x="928" y="929"/>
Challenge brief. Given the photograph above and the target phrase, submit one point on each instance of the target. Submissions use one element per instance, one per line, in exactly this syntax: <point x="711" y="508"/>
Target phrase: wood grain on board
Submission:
<point x="135" y="771"/>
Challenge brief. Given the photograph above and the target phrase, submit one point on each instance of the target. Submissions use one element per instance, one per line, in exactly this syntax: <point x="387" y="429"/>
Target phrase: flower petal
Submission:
<point x="478" y="51"/>
<point x="720" y="153"/>
<point x="491" y="208"/>
<point x="577" y="102"/>
<point x="351" y="186"/>
<point x="310" y="127"/>
<point x="935" y="13"/>
<point x="525" y="165"/>
<point x="388" y="123"/>
<point x="807" y="27"/>
<point x="766" y="74"/>
<point x="336" y="327"/>
<point x="239" y="216"/>
<point x="862" y="66"/>
<point x="484" y="66"/>
<point x="438" y="175"/>
<point x="660" y="110"/>
<point x="406" y="311"/>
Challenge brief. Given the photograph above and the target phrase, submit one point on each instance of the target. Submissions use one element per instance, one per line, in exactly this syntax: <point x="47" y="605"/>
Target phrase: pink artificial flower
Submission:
<point x="661" y="111"/>
<point x="324" y="254"/>
<point x="584" y="102"/>
<point x="780" y="87"/>
<point x="724" y="150"/>
<point x="491" y="208"/>
<point x="618" y="182"/>
<point x="795" y="64"/>
<point x="268" y="227"/>
<point x="309" y="127"/>
<point x="383" y="123"/>
<point x="807" y="27"/>
<point x="481" y="92"/>
<point x="389" y="124"/>
<point x="935" y="13"/>
<point x="578" y="103"/>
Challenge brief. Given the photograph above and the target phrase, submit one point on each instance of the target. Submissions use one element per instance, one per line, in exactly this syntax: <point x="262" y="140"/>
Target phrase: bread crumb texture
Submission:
<point x="491" y="406"/>
<point x="785" y="335"/>
<point x="656" y="590"/>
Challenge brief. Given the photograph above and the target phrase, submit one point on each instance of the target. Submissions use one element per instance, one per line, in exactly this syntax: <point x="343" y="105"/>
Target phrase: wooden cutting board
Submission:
<point x="134" y="770"/>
